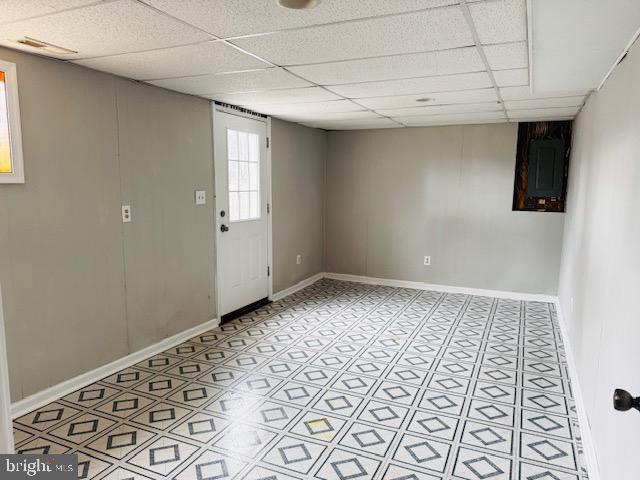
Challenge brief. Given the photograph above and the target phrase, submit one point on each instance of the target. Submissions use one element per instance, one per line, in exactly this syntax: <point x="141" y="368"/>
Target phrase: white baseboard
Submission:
<point x="298" y="286"/>
<point x="529" y="297"/>
<point x="50" y="394"/>
<point x="585" y="430"/>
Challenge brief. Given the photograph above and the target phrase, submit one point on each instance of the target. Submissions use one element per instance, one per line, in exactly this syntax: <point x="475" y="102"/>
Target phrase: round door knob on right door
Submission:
<point x="224" y="228"/>
<point x="623" y="400"/>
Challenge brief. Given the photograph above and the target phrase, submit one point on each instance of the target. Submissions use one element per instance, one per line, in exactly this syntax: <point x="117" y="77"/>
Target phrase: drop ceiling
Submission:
<point x="346" y="64"/>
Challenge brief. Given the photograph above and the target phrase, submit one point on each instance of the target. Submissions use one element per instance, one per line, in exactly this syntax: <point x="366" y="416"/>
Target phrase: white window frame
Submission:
<point x="15" y="133"/>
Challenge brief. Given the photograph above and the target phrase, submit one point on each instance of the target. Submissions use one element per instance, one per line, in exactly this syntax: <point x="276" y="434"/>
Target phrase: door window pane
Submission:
<point x="254" y="177"/>
<point x="244" y="175"/>
<point x="243" y="146"/>
<point x="233" y="176"/>
<point x="232" y="144"/>
<point x="243" y="178"/>
<point x="254" y="149"/>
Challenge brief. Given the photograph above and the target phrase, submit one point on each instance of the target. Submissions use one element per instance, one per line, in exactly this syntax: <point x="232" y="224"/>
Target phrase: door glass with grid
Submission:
<point x="243" y="149"/>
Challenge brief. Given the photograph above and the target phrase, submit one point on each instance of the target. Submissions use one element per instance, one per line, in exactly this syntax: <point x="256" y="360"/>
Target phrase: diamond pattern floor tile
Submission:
<point x="338" y="381"/>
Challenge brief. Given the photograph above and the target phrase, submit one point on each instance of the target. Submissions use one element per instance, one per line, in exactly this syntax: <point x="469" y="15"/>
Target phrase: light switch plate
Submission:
<point x="201" y="197"/>
<point x="126" y="213"/>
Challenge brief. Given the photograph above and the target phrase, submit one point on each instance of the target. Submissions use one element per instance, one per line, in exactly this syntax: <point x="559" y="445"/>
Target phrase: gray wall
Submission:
<point x="82" y="289"/>
<point x="298" y="161"/>
<point x="165" y="155"/>
<point x="600" y="272"/>
<point x="394" y="196"/>
<point x="91" y="142"/>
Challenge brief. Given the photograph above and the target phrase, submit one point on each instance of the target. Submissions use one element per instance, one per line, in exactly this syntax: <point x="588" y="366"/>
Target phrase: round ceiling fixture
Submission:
<point x="424" y="99"/>
<point x="299" y="4"/>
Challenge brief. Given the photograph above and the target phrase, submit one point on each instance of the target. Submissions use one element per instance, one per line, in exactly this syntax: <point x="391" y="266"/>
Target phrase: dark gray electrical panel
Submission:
<point x="546" y="168"/>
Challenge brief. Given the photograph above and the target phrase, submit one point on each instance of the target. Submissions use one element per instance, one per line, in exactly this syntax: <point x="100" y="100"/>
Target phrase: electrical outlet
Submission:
<point x="126" y="213"/>
<point x="201" y="197"/>
<point x="427" y="260"/>
<point x="298" y="259"/>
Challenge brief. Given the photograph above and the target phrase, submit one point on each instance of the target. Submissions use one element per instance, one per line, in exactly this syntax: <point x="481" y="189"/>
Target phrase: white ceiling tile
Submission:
<point x="355" y="124"/>
<point x="306" y="108"/>
<point x="549" y="113"/>
<point x="256" y="80"/>
<point x="227" y="18"/>
<point x="310" y="117"/>
<point x="544" y="103"/>
<point x="103" y="29"/>
<point x="13" y="10"/>
<point x="512" y="78"/>
<point x="416" y="32"/>
<point x="500" y="21"/>
<point x="524" y="93"/>
<point x="199" y="59"/>
<point x="442" y="109"/>
<point x="465" y="81"/>
<point x="401" y="101"/>
<point x="575" y="42"/>
<point x="461" y="118"/>
<point x="446" y="62"/>
<point x="284" y="96"/>
<point x="507" y="55"/>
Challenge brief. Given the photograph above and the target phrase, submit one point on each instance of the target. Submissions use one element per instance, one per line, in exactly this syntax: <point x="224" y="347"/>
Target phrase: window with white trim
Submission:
<point x="11" y="168"/>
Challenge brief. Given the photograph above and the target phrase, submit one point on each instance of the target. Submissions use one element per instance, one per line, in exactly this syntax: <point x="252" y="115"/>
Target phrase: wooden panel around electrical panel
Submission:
<point x="542" y="166"/>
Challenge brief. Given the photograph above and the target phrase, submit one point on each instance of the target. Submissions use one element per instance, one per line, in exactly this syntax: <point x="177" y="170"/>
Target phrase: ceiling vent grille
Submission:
<point x="240" y="109"/>
<point x="42" y="45"/>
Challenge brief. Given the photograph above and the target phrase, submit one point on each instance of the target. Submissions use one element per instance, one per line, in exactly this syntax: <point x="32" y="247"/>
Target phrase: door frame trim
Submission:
<point x="6" y="424"/>
<point x="216" y="110"/>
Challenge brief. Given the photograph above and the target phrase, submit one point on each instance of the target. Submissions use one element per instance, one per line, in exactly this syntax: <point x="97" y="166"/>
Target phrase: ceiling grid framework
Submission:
<point x="476" y="38"/>
<point x="342" y="65"/>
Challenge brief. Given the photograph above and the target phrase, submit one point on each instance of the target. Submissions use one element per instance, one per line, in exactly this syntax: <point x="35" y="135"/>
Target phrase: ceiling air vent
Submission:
<point x="298" y="4"/>
<point x="45" y="46"/>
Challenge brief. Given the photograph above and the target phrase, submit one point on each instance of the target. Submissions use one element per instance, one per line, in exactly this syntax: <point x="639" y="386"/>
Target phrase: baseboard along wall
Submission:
<point x="54" y="392"/>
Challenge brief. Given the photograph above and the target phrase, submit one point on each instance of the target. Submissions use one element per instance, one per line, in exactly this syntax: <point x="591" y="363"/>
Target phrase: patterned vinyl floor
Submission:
<point x="338" y="381"/>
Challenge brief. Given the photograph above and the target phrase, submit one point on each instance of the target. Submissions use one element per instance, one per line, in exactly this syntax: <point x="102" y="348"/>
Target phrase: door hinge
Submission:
<point x="268" y="271"/>
<point x="268" y="143"/>
<point x="268" y="208"/>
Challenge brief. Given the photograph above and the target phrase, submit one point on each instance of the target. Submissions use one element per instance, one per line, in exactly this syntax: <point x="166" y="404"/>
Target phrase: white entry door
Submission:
<point x="240" y="146"/>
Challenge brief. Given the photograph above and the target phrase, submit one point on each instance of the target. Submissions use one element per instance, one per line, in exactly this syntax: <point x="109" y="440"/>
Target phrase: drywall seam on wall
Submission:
<point x="324" y="203"/>
<point x="122" y="240"/>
